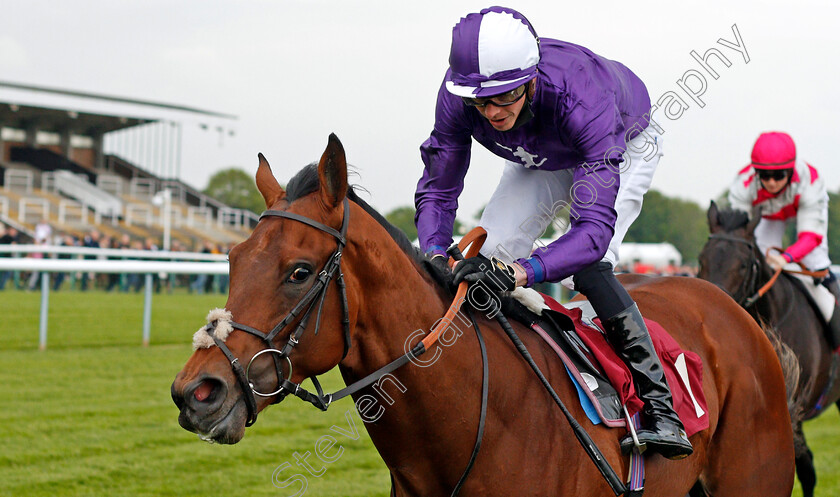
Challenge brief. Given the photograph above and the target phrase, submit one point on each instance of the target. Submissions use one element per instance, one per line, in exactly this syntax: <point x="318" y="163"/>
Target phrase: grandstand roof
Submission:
<point x="53" y="109"/>
<point x="55" y="120"/>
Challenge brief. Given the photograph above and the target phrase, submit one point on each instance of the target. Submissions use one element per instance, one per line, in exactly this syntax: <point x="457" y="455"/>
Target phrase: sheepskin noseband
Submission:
<point x="218" y="323"/>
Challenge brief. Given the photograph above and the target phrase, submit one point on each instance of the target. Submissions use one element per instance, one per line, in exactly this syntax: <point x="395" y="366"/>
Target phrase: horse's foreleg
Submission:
<point x="804" y="462"/>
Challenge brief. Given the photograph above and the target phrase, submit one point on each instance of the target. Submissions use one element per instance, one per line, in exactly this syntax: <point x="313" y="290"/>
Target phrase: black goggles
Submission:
<point x="503" y="100"/>
<point x="774" y="174"/>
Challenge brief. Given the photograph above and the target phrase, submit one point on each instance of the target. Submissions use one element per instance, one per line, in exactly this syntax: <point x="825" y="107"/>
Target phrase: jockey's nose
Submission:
<point x="492" y="110"/>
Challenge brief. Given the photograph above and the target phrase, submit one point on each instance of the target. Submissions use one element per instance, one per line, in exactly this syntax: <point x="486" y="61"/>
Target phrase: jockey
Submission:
<point x="787" y="188"/>
<point x="575" y="131"/>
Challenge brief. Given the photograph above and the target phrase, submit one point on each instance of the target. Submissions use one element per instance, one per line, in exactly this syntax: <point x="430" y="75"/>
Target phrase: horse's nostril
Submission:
<point x="204" y="390"/>
<point x="177" y="396"/>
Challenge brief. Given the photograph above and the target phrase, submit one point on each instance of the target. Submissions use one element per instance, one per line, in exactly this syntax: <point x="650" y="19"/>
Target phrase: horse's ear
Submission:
<point x="332" y="173"/>
<point x="267" y="184"/>
<point x="755" y="218"/>
<point x="712" y="215"/>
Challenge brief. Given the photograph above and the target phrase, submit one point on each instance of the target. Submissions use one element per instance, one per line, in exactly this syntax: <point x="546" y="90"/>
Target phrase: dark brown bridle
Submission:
<point x="307" y="304"/>
<point x="315" y="296"/>
<point x="745" y="294"/>
<point x="747" y="288"/>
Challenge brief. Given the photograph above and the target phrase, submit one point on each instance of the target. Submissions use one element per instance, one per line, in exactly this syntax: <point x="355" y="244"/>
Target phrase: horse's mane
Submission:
<point x="306" y="181"/>
<point x="731" y="219"/>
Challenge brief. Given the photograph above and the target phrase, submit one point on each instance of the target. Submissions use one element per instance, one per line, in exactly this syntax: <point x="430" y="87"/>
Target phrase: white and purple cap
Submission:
<point x="493" y="52"/>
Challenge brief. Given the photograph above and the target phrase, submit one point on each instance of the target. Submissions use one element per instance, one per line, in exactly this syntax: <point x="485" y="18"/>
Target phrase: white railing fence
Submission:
<point x="33" y="209"/>
<point x="212" y="264"/>
<point x="19" y="180"/>
<point x="73" y="212"/>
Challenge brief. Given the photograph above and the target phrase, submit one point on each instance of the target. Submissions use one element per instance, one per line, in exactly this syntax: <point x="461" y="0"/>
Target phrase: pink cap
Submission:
<point x="773" y="150"/>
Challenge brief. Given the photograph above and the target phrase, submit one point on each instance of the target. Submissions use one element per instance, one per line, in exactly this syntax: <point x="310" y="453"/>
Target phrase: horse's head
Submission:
<point x="286" y="295"/>
<point x="730" y="258"/>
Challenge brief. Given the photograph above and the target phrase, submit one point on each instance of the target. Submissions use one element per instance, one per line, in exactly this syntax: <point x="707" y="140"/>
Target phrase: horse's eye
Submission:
<point x="300" y="275"/>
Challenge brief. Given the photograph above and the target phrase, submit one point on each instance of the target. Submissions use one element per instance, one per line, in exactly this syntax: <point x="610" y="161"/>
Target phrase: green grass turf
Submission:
<point x="92" y="416"/>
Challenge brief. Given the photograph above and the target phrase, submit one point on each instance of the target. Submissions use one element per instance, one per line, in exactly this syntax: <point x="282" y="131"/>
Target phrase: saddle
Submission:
<point x="605" y="387"/>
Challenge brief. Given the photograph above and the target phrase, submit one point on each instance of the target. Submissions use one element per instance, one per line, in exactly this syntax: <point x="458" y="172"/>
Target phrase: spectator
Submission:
<point x="43" y="232"/>
<point x="224" y="279"/>
<point x="124" y="244"/>
<point x="66" y="241"/>
<point x="211" y="279"/>
<point x="200" y="283"/>
<point x="135" y="280"/>
<point x="180" y="280"/>
<point x="112" y="278"/>
<point x="91" y="240"/>
<point x="149" y="244"/>
<point x="43" y="236"/>
<point x="8" y="236"/>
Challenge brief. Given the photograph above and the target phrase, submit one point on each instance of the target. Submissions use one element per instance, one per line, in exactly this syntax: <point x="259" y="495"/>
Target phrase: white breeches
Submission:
<point x="527" y="200"/>
<point x="769" y="233"/>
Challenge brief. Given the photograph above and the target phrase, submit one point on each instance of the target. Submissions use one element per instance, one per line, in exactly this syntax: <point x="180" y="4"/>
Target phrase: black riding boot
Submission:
<point x="664" y="432"/>
<point x="831" y="283"/>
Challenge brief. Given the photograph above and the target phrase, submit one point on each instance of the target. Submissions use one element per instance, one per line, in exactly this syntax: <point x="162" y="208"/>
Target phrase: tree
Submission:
<point x="664" y="219"/>
<point x="403" y="218"/>
<point x="236" y="188"/>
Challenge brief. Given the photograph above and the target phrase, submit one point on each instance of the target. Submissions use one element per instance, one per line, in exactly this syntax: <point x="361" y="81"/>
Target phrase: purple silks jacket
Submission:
<point x="585" y="107"/>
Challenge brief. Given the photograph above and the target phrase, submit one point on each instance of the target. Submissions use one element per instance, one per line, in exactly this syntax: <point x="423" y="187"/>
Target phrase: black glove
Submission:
<point x="438" y="268"/>
<point x="496" y="274"/>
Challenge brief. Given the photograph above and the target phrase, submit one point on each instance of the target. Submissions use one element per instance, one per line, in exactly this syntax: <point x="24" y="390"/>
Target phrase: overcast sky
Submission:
<point x="294" y="71"/>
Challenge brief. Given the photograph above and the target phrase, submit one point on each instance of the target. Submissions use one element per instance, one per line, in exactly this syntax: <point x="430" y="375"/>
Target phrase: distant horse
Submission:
<point x="383" y="298"/>
<point x="732" y="260"/>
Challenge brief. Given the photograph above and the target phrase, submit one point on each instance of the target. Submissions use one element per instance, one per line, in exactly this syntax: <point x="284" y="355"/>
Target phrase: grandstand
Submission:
<point x="84" y="161"/>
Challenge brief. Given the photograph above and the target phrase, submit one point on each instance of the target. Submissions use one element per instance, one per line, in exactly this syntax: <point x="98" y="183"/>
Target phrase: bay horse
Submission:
<point x="732" y="260"/>
<point x="383" y="299"/>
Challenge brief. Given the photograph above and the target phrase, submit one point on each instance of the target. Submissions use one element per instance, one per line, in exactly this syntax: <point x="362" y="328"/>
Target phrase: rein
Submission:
<point x="748" y="301"/>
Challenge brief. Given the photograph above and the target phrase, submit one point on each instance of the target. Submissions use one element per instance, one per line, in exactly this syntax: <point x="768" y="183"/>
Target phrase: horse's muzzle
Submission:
<point x="203" y="403"/>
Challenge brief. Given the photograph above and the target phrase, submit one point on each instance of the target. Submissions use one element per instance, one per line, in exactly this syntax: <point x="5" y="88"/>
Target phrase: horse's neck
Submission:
<point x="396" y="306"/>
<point x="393" y="299"/>
<point x="422" y="416"/>
<point x="773" y="308"/>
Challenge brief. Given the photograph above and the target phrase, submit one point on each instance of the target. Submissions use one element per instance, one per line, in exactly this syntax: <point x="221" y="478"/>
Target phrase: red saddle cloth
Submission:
<point x="683" y="369"/>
